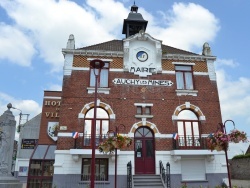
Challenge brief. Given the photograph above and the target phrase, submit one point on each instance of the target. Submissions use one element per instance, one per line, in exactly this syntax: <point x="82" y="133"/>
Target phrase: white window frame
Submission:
<point x="103" y="86"/>
<point x="185" y="92"/>
<point x="143" y="106"/>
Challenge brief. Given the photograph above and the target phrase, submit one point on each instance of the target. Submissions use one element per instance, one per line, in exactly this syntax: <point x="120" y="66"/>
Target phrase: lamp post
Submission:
<point x="223" y="128"/>
<point x="117" y="129"/>
<point x="20" y="117"/>
<point x="97" y="65"/>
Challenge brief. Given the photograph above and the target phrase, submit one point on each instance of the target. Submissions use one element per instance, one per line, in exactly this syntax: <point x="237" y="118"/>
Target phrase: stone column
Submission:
<point x="7" y="136"/>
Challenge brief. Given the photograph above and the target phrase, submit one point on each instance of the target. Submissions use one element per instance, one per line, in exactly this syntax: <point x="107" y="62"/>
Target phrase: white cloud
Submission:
<point x="15" y="45"/>
<point x="48" y="24"/>
<point x="226" y="62"/>
<point x="237" y="149"/>
<point x="30" y="107"/>
<point x="109" y="18"/>
<point x="55" y="87"/>
<point x="234" y="99"/>
<point x="185" y="23"/>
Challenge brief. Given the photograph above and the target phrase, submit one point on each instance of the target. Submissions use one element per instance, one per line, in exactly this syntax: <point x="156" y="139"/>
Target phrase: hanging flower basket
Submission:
<point x="236" y="136"/>
<point x="218" y="141"/>
<point x="114" y="142"/>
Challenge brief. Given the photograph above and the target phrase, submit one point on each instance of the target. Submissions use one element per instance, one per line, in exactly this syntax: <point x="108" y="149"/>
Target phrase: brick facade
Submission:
<point x="122" y="99"/>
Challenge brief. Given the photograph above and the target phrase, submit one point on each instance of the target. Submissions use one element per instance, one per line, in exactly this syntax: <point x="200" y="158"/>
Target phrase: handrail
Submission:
<point x="162" y="172"/>
<point x="129" y="175"/>
<point x="168" y="179"/>
<point x="165" y="174"/>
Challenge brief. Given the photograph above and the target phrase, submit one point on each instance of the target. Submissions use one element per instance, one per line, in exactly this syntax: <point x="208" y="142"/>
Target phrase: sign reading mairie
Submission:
<point x="142" y="82"/>
<point x="142" y="55"/>
<point x="142" y="71"/>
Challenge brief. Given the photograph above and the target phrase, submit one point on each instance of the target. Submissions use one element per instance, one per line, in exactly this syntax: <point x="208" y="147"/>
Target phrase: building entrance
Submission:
<point x="144" y="151"/>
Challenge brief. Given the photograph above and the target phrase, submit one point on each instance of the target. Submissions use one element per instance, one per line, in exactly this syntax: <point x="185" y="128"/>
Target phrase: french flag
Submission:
<point x="175" y="136"/>
<point x="75" y="135"/>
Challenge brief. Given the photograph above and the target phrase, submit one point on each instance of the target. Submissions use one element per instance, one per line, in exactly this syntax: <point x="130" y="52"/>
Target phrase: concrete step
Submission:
<point x="146" y="181"/>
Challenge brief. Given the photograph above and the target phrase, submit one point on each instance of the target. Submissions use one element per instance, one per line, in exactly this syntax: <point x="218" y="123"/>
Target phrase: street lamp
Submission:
<point x="223" y="128"/>
<point x="117" y="129"/>
<point x="20" y="117"/>
<point x="96" y="65"/>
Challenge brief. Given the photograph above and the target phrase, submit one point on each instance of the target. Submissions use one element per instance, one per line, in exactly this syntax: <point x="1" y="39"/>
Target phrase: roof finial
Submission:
<point x="134" y="8"/>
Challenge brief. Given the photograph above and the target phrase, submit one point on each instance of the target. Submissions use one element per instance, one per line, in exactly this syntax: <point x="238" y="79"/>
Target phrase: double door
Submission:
<point x="144" y="151"/>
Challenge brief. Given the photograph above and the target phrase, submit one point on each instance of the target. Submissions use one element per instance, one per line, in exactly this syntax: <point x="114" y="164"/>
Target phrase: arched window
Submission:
<point x="188" y="129"/>
<point x="102" y="125"/>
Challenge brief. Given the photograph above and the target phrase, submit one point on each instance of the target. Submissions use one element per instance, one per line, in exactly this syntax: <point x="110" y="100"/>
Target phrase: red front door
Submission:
<point x="144" y="151"/>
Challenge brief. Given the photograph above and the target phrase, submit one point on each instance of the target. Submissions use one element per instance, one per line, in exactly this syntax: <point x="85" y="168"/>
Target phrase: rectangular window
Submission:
<point x="40" y="173"/>
<point x="101" y="169"/>
<point x="139" y="110"/>
<point x="148" y="110"/>
<point x="102" y="79"/>
<point x="184" y="77"/>
<point x="188" y="132"/>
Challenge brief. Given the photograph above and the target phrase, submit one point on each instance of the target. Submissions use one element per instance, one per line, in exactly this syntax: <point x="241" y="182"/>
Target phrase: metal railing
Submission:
<point x="129" y="175"/>
<point x="168" y="182"/>
<point x="100" y="181"/>
<point x="99" y="138"/>
<point x="190" y="142"/>
<point x="162" y="172"/>
<point x="165" y="174"/>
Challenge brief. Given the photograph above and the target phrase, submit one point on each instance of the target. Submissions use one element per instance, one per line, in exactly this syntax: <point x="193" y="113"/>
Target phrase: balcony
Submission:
<point x="190" y="143"/>
<point x="191" y="146"/>
<point x="99" y="138"/>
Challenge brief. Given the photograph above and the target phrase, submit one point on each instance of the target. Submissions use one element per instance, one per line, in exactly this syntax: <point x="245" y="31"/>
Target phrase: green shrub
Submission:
<point x="242" y="156"/>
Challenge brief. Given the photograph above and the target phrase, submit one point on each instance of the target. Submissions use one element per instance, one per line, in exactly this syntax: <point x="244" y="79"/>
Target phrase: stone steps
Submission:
<point x="146" y="181"/>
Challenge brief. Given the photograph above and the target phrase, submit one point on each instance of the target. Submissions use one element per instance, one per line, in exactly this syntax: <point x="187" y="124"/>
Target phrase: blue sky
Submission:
<point x="33" y="32"/>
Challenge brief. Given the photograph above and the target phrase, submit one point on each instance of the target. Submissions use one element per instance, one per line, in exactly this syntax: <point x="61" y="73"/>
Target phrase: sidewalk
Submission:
<point x="241" y="183"/>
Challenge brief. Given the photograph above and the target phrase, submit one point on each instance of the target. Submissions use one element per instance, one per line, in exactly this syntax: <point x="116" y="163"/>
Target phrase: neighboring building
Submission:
<point x="248" y="150"/>
<point x="154" y="90"/>
<point x="28" y="138"/>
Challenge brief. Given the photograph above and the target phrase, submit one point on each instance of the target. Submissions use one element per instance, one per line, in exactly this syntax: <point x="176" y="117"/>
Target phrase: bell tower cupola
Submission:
<point x="134" y="23"/>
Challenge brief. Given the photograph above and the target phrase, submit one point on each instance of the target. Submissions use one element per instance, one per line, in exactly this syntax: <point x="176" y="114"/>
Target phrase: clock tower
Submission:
<point x="134" y="23"/>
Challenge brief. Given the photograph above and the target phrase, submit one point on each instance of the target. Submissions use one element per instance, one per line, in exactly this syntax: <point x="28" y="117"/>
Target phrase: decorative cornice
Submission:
<point x="93" y="52"/>
<point x="188" y="57"/>
<point x="120" y="54"/>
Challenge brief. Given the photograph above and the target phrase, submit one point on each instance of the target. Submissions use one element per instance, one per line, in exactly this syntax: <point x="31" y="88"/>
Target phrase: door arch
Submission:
<point x="144" y="151"/>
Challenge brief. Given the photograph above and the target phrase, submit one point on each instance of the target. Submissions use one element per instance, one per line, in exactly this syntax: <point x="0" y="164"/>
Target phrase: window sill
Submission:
<point x="99" y="90"/>
<point x="144" y="116"/>
<point x="186" y="92"/>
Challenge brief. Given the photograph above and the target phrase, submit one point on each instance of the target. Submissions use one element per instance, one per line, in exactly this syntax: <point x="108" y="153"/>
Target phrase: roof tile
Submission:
<point x="117" y="45"/>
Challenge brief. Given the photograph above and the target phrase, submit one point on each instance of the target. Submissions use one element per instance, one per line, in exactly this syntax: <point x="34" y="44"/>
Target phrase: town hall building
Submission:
<point x="166" y="100"/>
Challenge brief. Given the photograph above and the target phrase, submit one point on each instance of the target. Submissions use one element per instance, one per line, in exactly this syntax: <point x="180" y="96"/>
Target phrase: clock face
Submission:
<point x="142" y="56"/>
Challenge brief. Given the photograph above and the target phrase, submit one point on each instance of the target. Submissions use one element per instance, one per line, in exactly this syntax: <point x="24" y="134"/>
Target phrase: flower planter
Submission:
<point x="114" y="142"/>
<point x="219" y="141"/>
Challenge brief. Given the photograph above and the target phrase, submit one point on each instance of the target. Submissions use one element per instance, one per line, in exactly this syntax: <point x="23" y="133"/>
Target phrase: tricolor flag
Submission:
<point x="75" y="135"/>
<point x="175" y="136"/>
